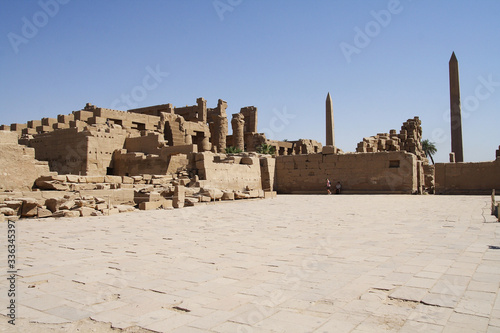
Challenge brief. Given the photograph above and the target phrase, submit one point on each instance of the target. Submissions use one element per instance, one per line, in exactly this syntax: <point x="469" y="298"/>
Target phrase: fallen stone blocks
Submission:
<point x="82" y="196"/>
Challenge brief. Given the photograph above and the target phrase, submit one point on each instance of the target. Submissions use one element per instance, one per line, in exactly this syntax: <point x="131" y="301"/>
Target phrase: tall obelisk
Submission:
<point x="330" y="131"/>
<point x="456" y="114"/>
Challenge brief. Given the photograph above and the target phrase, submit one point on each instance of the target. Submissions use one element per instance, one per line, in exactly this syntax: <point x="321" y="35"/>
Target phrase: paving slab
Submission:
<point x="299" y="263"/>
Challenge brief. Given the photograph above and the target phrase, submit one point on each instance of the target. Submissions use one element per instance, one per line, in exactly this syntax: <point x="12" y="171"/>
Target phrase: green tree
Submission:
<point x="266" y="149"/>
<point x="233" y="150"/>
<point x="429" y="148"/>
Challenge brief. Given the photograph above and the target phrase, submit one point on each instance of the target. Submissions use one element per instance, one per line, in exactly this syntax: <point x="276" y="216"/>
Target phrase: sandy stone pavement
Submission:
<point x="316" y="263"/>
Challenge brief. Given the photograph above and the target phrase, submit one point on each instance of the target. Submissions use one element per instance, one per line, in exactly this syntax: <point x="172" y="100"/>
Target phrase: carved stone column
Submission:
<point x="238" y="124"/>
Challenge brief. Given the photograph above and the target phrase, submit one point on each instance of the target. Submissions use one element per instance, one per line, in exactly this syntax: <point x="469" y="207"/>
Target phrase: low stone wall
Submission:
<point x="148" y="144"/>
<point x="468" y="178"/>
<point x="237" y="172"/>
<point x="169" y="160"/>
<point x="18" y="167"/>
<point x="384" y="172"/>
<point x="86" y="151"/>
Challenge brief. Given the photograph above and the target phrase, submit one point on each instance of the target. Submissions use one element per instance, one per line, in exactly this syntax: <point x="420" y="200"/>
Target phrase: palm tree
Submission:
<point x="429" y="148"/>
<point x="233" y="150"/>
<point x="266" y="149"/>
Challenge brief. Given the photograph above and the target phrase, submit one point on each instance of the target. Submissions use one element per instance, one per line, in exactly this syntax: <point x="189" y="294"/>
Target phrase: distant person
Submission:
<point x="328" y="186"/>
<point x="338" y="188"/>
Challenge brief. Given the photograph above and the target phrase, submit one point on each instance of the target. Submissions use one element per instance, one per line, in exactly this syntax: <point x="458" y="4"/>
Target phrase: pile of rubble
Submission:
<point x="66" y="206"/>
<point x="408" y="139"/>
<point x="80" y="196"/>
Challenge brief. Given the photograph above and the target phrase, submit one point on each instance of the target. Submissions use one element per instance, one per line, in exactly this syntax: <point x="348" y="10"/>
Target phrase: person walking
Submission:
<point x="328" y="186"/>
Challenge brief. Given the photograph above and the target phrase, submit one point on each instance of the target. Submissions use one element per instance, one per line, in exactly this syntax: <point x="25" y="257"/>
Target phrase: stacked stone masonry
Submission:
<point x="468" y="178"/>
<point x="384" y="172"/>
<point x="408" y="139"/>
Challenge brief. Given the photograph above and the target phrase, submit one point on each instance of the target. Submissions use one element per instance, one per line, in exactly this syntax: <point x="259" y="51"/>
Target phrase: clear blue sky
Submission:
<point x="382" y="61"/>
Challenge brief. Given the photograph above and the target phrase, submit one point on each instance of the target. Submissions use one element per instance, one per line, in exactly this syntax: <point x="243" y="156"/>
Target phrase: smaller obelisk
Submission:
<point x="455" y="111"/>
<point x="330" y="129"/>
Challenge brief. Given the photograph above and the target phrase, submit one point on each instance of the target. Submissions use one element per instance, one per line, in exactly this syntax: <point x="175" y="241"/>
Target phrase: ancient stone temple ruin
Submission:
<point x="384" y="163"/>
<point x="98" y="161"/>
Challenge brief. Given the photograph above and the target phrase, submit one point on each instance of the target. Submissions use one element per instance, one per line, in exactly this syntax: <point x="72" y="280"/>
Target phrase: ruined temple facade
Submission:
<point x="163" y="139"/>
<point x="98" y="141"/>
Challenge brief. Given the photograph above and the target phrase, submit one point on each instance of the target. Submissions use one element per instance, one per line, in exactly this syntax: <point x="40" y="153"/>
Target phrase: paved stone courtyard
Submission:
<point x="291" y="264"/>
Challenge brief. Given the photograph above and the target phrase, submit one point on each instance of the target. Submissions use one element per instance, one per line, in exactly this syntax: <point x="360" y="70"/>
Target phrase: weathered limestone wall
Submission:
<point x="18" y="167"/>
<point x="133" y="164"/>
<point x="128" y="120"/>
<point x="235" y="173"/>
<point x="65" y="150"/>
<point x="148" y="144"/>
<point x="195" y="113"/>
<point x="155" y="110"/>
<point x="137" y="163"/>
<point x="101" y="144"/>
<point x="385" y="172"/>
<point x="76" y="151"/>
<point x="468" y="178"/>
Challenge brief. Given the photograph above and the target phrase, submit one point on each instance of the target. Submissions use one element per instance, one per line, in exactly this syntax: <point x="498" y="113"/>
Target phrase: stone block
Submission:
<point x="164" y="203"/>
<point x="127" y="180"/>
<point x="29" y="131"/>
<point x="60" y="126"/>
<point x="17" y="127"/>
<point x="101" y="206"/>
<point x="95" y="179"/>
<point x="159" y="181"/>
<point x="85" y="203"/>
<point x="7" y="211"/>
<point x="53" y="204"/>
<point x="66" y="213"/>
<point x="138" y="179"/>
<point x="43" y="212"/>
<point x="329" y="150"/>
<point x="246" y="160"/>
<point x="72" y="178"/>
<point x="213" y="193"/>
<point x="241" y="195"/>
<point x="111" y="211"/>
<point x="34" y="123"/>
<point x="63" y="118"/>
<point x="29" y="207"/>
<point x="44" y="129"/>
<point x="179" y="196"/>
<point x="51" y="185"/>
<point x="190" y="202"/>
<point x="146" y="197"/>
<point x="270" y="194"/>
<point x="228" y="195"/>
<point x="204" y="198"/>
<point x="67" y="205"/>
<point x="113" y="179"/>
<point x="125" y="208"/>
<point x="253" y="193"/>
